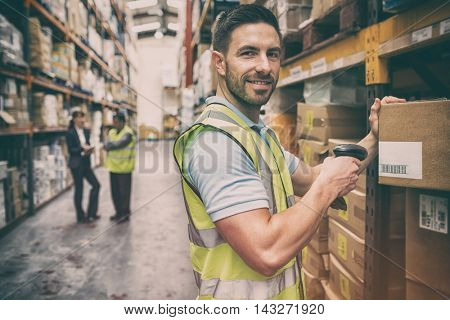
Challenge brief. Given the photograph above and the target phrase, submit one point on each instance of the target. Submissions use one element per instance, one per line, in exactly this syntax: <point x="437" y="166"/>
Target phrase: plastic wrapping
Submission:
<point x="11" y="44"/>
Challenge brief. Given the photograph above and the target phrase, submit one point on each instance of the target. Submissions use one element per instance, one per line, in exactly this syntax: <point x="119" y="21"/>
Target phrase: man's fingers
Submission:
<point x="391" y="99"/>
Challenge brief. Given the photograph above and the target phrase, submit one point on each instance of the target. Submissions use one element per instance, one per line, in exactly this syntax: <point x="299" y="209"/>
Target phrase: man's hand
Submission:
<point x="375" y="109"/>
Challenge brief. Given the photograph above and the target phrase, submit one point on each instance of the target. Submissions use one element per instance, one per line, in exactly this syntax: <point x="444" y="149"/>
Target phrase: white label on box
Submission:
<point x="445" y="26"/>
<point x="296" y="71"/>
<point x="319" y="66"/>
<point x="433" y="213"/>
<point x="339" y="63"/>
<point x="400" y="160"/>
<point x="422" y="34"/>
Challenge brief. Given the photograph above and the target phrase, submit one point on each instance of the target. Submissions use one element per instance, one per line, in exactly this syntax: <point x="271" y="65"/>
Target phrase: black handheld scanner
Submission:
<point x="350" y="150"/>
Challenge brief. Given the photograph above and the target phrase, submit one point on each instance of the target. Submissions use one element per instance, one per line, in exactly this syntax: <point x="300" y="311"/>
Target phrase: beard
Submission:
<point x="245" y="95"/>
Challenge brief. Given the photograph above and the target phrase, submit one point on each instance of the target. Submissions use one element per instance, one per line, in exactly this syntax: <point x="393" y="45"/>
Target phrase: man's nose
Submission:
<point x="263" y="65"/>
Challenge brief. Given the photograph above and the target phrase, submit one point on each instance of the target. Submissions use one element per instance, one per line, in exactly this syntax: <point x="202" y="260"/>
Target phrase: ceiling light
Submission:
<point x="139" y="4"/>
<point x="159" y="34"/>
<point x="147" y="27"/>
<point x="173" y="26"/>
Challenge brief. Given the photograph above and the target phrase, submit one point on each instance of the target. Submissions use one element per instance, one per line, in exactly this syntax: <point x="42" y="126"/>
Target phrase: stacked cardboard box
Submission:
<point x="77" y="17"/>
<point x="13" y="194"/>
<point x="95" y="41"/>
<point x="57" y="8"/>
<point x="63" y="54"/>
<point x="40" y="46"/>
<point x="11" y="44"/>
<point x="291" y="13"/>
<point x="48" y="110"/>
<point x="321" y="7"/>
<point x="14" y="100"/>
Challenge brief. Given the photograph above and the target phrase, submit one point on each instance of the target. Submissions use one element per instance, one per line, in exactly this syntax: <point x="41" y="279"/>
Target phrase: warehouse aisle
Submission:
<point x="52" y="257"/>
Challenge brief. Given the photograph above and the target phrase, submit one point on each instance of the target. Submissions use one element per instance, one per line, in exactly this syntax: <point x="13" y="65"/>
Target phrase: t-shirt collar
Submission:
<point x="225" y="102"/>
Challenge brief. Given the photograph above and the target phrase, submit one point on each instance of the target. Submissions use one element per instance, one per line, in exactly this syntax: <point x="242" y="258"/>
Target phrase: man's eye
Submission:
<point x="275" y="55"/>
<point x="248" y="53"/>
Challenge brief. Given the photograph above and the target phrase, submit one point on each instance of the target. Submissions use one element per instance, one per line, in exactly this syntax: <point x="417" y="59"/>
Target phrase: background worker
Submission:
<point x="120" y="163"/>
<point x="245" y="229"/>
<point x="80" y="150"/>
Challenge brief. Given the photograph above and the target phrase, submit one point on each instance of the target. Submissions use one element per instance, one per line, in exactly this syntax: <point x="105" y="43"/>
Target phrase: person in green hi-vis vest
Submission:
<point x="245" y="228"/>
<point x="120" y="163"/>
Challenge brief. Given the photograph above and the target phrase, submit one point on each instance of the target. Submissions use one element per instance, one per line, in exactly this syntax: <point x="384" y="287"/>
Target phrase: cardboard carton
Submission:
<point x="314" y="263"/>
<point x="313" y="287"/>
<point x="312" y="152"/>
<point x="343" y="283"/>
<point x="319" y="241"/>
<point x="414" y="145"/>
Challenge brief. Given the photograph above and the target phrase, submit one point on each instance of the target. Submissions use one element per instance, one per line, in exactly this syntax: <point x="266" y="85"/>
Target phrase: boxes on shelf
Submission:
<point x="322" y="122"/>
<point x="354" y="218"/>
<point x="321" y="7"/>
<point x="312" y="152"/>
<point x="316" y="264"/>
<point x="48" y="110"/>
<point x="319" y="242"/>
<point x="95" y="41"/>
<point x="109" y="52"/>
<point x="413" y="144"/>
<point x="40" y="46"/>
<point x="77" y="17"/>
<point x="348" y="248"/>
<point x="284" y="124"/>
<point x="62" y="55"/>
<point x="344" y="89"/>
<point x="328" y="291"/>
<point x="427" y="244"/>
<point x="57" y="8"/>
<point x="291" y="16"/>
<point x="11" y="44"/>
<point x="342" y="283"/>
<point x="284" y="100"/>
<point x="313" y="287"/>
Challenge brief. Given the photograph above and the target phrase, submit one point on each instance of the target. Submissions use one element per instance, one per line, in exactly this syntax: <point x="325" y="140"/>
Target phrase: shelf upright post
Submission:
<point x="29" y="135"/>
<point x="187" y="44"/>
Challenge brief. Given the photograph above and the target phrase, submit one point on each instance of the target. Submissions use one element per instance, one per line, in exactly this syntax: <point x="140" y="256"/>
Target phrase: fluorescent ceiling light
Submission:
<point x="139" y="4"/>
<point x="173" y="26"/>
<point x="147" y="26"/>
<point x="159" y="34"/>
<point x="174" y="3"/>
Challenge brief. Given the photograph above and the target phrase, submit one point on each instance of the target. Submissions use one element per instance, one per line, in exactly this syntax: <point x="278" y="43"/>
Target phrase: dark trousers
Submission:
<point x="85" y="171"/>
<point x="121" y="192"/>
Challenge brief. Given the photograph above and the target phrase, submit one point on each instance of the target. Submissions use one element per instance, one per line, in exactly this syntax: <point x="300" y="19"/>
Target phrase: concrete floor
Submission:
<point x="49" y="256"/>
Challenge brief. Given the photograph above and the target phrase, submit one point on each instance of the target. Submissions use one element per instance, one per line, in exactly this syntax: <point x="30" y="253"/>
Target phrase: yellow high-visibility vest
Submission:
<point x="121" y="160"/>
<point x="220" y="273"/>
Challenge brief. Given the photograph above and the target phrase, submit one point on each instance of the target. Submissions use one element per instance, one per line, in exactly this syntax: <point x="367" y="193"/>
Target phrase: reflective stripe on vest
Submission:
<point x="220" y="272"/>
<point x="121" y="160"/>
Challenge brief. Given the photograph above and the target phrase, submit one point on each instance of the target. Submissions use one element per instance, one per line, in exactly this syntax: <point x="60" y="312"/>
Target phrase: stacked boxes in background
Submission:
<point x="50" y="171"/>
<point x="291" y="13"/>
<point x="56" y="7"/>
<point x="419" y="132"/>
<point x="48" y="110"/>
<point x="11" y="44"/>
<point x="40" y="46"/>
<point x="61" y="60"/>
<point x="14" y="99"/>
<point x="77" y="17"/>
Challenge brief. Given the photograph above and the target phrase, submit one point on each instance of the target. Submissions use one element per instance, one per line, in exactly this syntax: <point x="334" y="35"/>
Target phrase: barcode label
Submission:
<point x="395" y="169"/>
<point x="433" y="213"/>
<point x="422" y="34"/>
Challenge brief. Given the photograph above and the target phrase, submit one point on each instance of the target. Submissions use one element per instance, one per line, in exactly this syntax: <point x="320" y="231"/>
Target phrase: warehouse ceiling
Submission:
<point x="154" y="18"/>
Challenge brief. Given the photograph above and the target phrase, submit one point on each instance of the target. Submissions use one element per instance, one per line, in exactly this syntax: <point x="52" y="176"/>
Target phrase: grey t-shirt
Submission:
<point x="224" y="175"/>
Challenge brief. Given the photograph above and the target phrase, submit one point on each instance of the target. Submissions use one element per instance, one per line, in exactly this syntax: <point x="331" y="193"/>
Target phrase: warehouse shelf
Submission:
<point x="5" y="132"/>
<point x="108" y="29"/>
<point x="13" y="73"/>
<point x="75" y="39"/>
<point x="196" y="37"/>
<point x="394" y="35"/>
<point x="119" y="14"/>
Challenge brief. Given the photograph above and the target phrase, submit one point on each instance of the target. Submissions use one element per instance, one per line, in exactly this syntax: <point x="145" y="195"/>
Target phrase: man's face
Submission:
<point x="253" y="63"/>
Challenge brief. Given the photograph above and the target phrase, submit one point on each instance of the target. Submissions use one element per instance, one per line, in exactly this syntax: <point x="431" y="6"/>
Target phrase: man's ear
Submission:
<point x="218" y="60"/>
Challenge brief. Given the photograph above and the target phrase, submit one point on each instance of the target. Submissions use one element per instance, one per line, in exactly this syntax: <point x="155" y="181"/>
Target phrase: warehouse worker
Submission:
<point x="80" y="150"/>
<point x="244" y="227"/>
<point x="120" y="163"/>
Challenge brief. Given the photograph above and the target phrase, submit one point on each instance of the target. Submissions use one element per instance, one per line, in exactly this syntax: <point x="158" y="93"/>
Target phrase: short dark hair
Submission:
<point x="230" y="19"/>
<point x="120" y="117"/>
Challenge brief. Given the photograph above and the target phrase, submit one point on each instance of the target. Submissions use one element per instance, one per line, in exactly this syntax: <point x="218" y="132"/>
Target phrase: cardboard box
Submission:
<point x="427" y="244"/>
<point x="312" y="152"/>
<point x="343" y="283"/>
<point x="313" y="287"/>
<point x="413" y="147"/>
<point x="347" y="248"/>
<point x="322" y="122"/>
<point x="284" y="124"/>
<point x="354" y="218"/>
<point x="319" y="241"/>
<point x="314" y="263"/>
<point x="329" y="293"/>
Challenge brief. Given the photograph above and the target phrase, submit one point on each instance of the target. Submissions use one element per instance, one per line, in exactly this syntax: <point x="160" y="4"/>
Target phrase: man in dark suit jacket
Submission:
<point x="80" y="150"/>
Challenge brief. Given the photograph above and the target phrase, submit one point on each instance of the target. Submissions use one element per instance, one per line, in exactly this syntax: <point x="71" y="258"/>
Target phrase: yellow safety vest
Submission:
<point x="121" y="160"/>
<point x="220" y="273"/>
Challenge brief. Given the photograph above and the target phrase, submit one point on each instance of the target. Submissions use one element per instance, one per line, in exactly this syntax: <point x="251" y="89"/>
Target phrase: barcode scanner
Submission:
<point x="348" y="150"/>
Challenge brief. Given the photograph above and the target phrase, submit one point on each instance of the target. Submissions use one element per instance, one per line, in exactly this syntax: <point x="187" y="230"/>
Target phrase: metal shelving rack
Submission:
<point x="35" y="81"/>
<point x="372" y="47"/>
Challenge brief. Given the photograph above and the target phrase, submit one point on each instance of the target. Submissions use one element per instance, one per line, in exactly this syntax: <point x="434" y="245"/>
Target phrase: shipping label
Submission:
<point x="309" y="121"/>
<point x="319" y="66"/>
<point x="305" y="255"/>
<point x="433" y="213"/>
<point x="342" y="246"/>
<point x="344" y="285"/>
<point x="400" y="160"/>
<point x="343" y="214"/>
<point x="422" y="34"/>
<point x="307" y="154"/>
<point x="444" y="26"/>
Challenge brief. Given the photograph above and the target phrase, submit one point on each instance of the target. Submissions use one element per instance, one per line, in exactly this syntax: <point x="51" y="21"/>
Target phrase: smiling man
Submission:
<point x="245" y="229"/>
